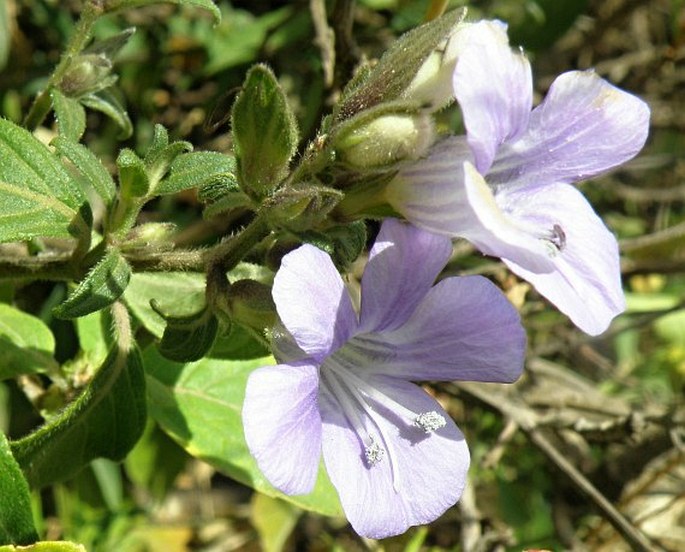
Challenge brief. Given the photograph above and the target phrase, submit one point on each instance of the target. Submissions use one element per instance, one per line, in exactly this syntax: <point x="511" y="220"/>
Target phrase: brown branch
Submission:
<point x="527" y="420"/>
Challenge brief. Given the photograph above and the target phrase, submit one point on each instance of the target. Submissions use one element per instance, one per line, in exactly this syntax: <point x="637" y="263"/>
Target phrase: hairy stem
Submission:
<point x="79" y="39"/>
<point x="60" y="267"/>
<point x="229" y="253"/>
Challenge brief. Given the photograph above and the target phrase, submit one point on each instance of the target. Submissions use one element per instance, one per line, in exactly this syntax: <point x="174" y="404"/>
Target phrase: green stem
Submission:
<point x="61" y="267"/>
<point x="82" y="34"/>
<point x="228" y="254"/>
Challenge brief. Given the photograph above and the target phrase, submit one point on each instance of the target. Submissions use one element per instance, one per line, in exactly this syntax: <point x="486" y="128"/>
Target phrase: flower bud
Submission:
<point x="151" y="234"/>
<point x="87" y="73"/>
<point x="383" y="141"/>
<point x="432" y="85"/>
<point x="300" y="207"/>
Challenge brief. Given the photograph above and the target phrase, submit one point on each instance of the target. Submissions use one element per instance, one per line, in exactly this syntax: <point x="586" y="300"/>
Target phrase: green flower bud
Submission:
<point x="383" y="141"/>
<point x="151" y="234"/>
<point x="300" y="207"/>
<point x="432" y="85"/>
<point x="87" y="73"/>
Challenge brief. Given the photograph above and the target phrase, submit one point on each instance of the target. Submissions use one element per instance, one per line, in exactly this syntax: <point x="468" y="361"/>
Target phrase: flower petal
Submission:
<point x="312" y="301"/>
<point x="403" y="264"/>
<point x="494" y="88"/>
<point x="584" y="127"/>
<point x="445" y="194"/>
<point x="429" y="469"/>
<point x="283" y="426"/>
<point x="464" y="329"/>
<point x="429" y="192"/>
<point x="586" y="285"/>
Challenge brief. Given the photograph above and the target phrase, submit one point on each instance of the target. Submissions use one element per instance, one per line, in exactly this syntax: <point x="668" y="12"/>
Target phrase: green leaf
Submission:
<point x="46" y="546"/>
<point x="26" y="344"/>
<point x="227" y="202"/>
<point x="264" y="132"/>
<point x="103" y="285"/>
<point x="116" y="5"/>
<point x="16" y="518"/>
<point x="161" y="155"/>
<point x="89" y="166"/>
<point x="37" y="195"/>
<point x="133" y="178"/>
<point x="95" y="335"/>
<point x="5" y="35"/>
<point x="199" y="405"/>
<point x="105" y="102"/>
<point x="106" y="420"/>
<point x="70" y="115"/>
<point x="188" y="338"/>
<point x="300" y="207"/>
<point x="237" y="344"/>
<point x="182" y="293"/>
<point x="274" y="520"/>
<point x="197" y="169"/>
<point x="397" y="67"/>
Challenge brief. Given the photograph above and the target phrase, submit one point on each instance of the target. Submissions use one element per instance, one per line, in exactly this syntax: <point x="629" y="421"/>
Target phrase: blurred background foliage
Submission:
<point x="611" y="407"/>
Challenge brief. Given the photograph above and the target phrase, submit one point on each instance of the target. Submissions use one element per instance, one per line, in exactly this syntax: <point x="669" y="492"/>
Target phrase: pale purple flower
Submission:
<point x="343" y="386"/>
<point x="507" y="185"/>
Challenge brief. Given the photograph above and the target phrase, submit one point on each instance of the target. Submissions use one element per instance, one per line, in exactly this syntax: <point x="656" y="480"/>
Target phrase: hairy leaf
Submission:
<point x="264" y="132"/>
<point x="37" y="195"/>
<point x="188" y="338"/>
<point x="70" y="115"/>
<point x="398" y="66"/>
<point x="16" y="519"/>
<point x="183" y="294"/>
<point x="133" y="177"/>
<point x="26" y="343"/>
<point x="105" y="102"/>
<point x="106" y="420"/>
<point x="103" y="285"/>
<point x="89" y="166"/>
<point x="161" y="155"/>
<point x="197" y="169"/>
<point x="179" y="292"/>
<point x="199" y="404"/>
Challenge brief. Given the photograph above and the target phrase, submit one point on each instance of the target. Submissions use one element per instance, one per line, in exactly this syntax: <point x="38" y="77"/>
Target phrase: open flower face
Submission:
<point x="506" y="185"/>
<point x="344" y="388"/>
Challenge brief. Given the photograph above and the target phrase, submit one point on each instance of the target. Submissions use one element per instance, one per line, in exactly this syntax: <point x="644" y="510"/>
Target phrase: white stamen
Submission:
<point x="430" y="421"/>
<point x="374" y="453"/>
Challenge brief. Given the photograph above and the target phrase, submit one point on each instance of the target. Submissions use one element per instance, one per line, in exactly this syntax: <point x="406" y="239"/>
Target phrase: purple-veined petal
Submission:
<point x="403" y="264"/>
<point x="464" y="329"/>
<point x="445" y="194"/>
<point x="584" y="127"/>
<point x="416" y="481"/>
<point x="494" y="88"/>
<point x="429" y="192"/>
<point x="586" y="285"/>
<point x="312" y="301"/>
<point x="283" y="426"/>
